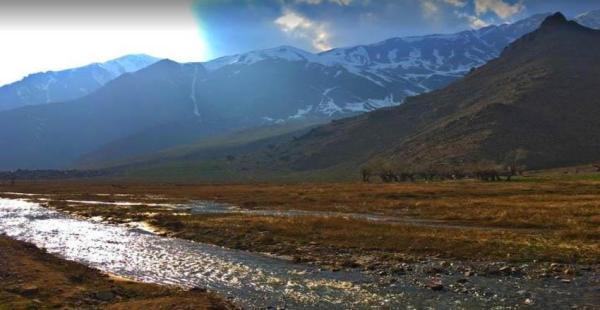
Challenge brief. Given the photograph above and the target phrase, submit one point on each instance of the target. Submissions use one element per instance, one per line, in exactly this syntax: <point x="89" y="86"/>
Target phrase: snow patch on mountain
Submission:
<point x="589" y="19"/>
<point x="372" y="104"/>
<point x="128" y="64"/>
<point x="287" y="53"/>
<point x="301" y="112"/>
<point x="55" y="86"/>
<point x="393" y="69"/>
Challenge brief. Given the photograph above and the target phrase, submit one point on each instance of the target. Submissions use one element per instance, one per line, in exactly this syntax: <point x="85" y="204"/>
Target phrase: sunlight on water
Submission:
<point x="253" y="279"/>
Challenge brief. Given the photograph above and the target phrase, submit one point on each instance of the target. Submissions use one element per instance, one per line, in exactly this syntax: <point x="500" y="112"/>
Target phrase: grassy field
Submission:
<point x="547" y="220"/>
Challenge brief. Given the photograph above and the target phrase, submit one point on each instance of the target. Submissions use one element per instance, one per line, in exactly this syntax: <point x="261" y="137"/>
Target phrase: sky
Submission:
<point x="42" y="35"/>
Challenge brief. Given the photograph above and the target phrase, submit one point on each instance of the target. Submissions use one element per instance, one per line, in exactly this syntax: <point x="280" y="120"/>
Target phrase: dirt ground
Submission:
<point x="33" y="279"/>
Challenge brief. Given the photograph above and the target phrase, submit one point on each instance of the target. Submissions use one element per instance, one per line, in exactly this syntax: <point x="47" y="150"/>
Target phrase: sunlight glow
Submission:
<point x="31" y="48"/>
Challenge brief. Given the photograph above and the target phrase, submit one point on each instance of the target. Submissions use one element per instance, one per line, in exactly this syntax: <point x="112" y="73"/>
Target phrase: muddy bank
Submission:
<point x="30" y="278"/>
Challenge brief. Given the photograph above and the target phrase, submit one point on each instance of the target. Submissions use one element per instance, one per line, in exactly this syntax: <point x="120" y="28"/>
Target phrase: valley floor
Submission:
<point x="545" y="229"/>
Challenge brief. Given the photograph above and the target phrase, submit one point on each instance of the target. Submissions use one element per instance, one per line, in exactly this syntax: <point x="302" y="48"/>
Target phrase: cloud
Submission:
<point x="338" y="2"/>
<point x="430" y="8"/>
<point x="498" y="7"/>
<point x="297" y="25"/>
<point x="456" y="3"/>
<point x="476" y="22"/>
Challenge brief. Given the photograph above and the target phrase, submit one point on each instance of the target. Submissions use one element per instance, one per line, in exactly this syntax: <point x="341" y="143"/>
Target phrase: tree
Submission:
<point x="366" y="174"/>
<point x="514" y="163"/>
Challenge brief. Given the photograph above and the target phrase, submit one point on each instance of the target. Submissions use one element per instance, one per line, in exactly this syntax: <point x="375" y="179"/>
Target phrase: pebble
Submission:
<point x="565" y="280"/>
<point x="435" y="285"/>
<point x="528" y="301"/>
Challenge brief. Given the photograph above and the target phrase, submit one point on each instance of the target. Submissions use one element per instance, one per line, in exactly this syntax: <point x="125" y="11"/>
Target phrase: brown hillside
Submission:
<point x="541" y="96"/>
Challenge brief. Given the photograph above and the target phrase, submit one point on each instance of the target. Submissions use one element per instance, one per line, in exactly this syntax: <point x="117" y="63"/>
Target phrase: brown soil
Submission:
<point x="33" y="279"/>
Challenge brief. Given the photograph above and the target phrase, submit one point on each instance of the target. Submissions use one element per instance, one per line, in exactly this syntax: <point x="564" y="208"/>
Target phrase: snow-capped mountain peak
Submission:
<point x="128" y="63"/>
<point x="388" y="71"/>
<point x="589" y="19"/>
<point x="54" y="86"/>
<point x="284" y="52"/>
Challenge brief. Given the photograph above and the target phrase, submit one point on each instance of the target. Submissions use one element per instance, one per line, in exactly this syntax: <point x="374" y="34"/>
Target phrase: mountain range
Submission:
<point x="64" y="85"/>
<point x="168" y="104"/>
<point x="537" y="101"/>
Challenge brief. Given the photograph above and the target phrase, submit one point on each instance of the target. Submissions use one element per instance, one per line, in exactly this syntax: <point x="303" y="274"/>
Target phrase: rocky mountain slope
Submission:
<point x="540" y="98"/>
<point x="57" y="86"/>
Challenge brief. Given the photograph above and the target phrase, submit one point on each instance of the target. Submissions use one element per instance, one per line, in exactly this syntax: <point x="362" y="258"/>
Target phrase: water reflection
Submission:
<point x="254" y="280"/>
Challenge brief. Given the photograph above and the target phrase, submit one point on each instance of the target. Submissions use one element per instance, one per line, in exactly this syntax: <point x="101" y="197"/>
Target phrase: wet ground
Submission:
<point x="254" y="280"/>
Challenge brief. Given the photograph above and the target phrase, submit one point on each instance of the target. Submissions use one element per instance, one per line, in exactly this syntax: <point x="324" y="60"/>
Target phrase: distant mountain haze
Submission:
<point x="64" y="85"/>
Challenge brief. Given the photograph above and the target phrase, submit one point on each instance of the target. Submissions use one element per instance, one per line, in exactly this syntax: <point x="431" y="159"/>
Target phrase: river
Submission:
<point x="251" y="280"/>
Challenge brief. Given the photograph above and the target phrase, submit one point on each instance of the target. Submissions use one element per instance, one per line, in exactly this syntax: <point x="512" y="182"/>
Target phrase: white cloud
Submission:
<point x="338" y="2"/>
<point x="456" y="3"/>
<point x="474" y="21"/>
<point x="498" y="7"/>
<point x="299" y="26"/>
<point x="430" y="8"/>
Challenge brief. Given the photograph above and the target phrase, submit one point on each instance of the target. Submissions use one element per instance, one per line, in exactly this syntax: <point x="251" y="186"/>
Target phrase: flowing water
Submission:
<point x="251" y="280"/>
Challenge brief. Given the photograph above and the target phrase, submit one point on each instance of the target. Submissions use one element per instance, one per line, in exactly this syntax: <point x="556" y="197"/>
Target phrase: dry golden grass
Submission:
<point x="548" y="220"/>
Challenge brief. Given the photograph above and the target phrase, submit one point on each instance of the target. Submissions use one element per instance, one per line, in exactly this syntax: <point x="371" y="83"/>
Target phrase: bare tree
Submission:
<point x="366" y="174"/>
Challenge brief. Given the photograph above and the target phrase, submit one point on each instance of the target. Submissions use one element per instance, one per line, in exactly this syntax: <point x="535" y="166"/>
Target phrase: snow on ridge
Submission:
<point x="285" y="52"/>
<point x="371" y="104"/>
<point x="406" y="63"/>
<point x="423" y="53"/>
<point x="127" y="64"/>
<point x="589" y="19"/>
<point x="302" y="112"/>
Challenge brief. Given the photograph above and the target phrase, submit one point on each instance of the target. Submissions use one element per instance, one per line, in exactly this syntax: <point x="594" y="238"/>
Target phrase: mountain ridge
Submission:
<point x="69" y="84"/>
<point x="168" y="103"/>
<point x="535" y="105"/>
<point x="469" y="123"/>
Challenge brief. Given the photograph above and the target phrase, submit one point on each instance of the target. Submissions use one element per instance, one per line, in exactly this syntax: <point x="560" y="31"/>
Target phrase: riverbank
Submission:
<point x="553" y="221"/>
<point x="33" y="279"/>
<point x="508" y="244"/>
